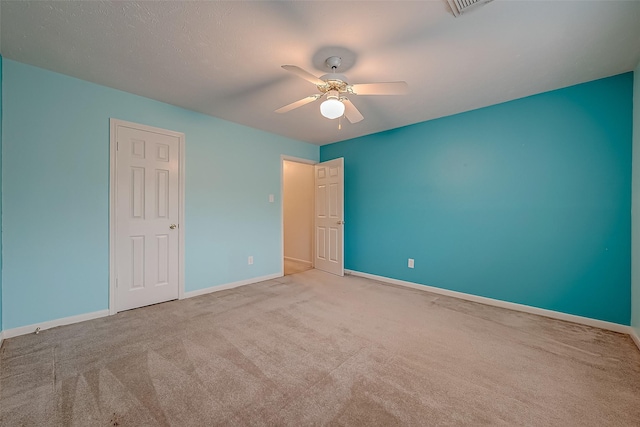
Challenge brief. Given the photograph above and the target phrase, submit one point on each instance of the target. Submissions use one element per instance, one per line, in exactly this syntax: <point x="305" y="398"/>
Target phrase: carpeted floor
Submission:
<point x="293" y="267"/>
<point x="315" y="349"/>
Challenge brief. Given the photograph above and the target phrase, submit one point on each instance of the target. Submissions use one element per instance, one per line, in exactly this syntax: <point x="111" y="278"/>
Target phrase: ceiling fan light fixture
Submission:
<point x="332" y="108"/>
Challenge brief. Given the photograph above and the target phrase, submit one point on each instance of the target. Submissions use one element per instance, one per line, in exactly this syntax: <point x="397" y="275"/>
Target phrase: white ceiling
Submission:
<point x="224" y="58"/>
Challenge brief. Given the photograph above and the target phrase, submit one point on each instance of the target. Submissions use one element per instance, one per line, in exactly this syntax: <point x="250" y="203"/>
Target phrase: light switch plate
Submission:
<point x="410" y="264"/>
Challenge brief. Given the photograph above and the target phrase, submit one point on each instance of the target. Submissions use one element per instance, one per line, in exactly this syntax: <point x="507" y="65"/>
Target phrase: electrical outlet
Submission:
<point x="410" y="264"/>
<point x="271" y="198"/>
<point x="250" y="260"/>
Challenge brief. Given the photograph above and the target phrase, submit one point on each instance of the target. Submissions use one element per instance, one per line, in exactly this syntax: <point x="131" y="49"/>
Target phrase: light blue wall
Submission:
<point x="56" y="195"/>
<point x="527" y="201"/>
<point x="635" y="226"/>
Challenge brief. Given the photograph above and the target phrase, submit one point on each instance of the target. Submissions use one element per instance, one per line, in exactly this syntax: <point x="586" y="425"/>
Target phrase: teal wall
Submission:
<point x="635" y="227"/>
<point x="527" y="201"/>
<point x="56" y="193"/>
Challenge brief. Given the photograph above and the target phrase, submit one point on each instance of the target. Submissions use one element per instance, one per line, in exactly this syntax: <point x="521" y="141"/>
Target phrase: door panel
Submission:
<point x="163" y="259"/>
<point x="321" y="245"/>
<point x="333" y="248"/>
<point x="137" y="262"/>
<point x="162" y="184"/>
<point x="147" y="204"/>
<point x="329" y="224"/>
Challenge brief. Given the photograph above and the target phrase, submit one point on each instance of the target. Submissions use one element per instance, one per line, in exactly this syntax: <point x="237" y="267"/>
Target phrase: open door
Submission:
<point x="329" y="216"/>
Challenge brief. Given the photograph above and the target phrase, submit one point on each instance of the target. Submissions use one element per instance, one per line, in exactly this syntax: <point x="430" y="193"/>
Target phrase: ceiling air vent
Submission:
<point x="458" y="7"/>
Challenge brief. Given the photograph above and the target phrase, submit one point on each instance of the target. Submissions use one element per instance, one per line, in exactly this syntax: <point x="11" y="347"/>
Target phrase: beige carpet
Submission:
<point x="314" y="349"/>
<point x="293" y="267"/>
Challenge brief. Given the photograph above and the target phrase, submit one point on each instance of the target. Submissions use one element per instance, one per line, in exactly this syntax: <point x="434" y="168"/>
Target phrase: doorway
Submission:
<point x="297" y="215"/>
<point x="312" y="215"/>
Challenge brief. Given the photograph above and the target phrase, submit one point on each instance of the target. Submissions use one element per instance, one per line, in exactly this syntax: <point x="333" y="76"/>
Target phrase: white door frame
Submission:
<point x="284" y="157"/>
<point x="114" y="123"/>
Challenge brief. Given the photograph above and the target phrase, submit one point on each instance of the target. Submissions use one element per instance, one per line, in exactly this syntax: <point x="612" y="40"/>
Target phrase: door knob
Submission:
<point x="340" y="222"/>
<point x="172" y="226"/>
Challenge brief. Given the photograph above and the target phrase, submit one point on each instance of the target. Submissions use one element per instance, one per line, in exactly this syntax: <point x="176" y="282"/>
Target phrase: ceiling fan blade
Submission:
<point x="389" y="88"/>
<point x="300" y="103"/>
<point x="351" y="112"/>
<point x="303" y="74"/>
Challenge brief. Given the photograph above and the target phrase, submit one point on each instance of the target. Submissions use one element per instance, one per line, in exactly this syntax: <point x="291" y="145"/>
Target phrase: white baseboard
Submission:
<point x="232" y="285"/>
<point x="23" y="330"/>
<point x="616" y="327"/>
<point x="634" y="336"/>
<point x="298" y="260"/>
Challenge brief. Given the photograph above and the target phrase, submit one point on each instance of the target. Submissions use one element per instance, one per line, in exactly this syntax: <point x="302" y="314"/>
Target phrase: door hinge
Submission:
<point x="116" y="283"/>
<point x="117" y="145"/>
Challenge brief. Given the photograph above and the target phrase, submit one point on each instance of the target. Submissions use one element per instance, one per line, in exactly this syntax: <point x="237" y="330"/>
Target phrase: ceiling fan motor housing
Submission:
<point x="333" y="81"/>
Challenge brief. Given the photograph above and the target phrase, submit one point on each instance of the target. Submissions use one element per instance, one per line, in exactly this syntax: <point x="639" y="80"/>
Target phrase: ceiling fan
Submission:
<point x="337" y="90"/>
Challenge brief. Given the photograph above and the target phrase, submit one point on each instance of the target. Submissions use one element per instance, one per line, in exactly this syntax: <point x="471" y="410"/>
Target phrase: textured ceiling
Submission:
<point x="224" y="58"/>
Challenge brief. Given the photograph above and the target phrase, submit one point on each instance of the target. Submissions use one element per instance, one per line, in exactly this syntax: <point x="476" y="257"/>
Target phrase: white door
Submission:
<point x="329" y="222"/>
<point x="147" y="216"/>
